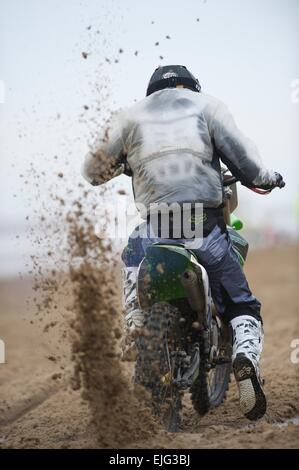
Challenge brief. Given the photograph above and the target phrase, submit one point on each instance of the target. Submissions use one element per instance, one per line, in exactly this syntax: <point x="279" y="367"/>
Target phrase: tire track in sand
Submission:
<point x="44" y="389"/>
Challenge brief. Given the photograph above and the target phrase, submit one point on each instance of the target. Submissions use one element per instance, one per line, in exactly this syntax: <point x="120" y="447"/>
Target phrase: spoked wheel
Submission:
<point x="210" y="387"/>
<point x="154" y="367"/>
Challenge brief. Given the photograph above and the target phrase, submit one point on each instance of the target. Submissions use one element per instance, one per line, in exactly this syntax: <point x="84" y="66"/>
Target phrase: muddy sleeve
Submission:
<point x="104" y="161"/>
<point x="236" y="151"/>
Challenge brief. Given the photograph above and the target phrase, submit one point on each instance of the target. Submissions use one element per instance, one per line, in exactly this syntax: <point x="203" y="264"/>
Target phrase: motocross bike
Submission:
<point x="184" y="345"/>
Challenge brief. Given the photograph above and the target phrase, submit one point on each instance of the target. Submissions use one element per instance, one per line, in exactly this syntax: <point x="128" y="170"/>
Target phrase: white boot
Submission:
<point x="134" y="317"/>
<point x="247" y="348"/>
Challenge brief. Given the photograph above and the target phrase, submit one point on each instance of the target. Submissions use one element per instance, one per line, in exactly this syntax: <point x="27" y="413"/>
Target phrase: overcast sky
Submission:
<point x="245" y="52"/>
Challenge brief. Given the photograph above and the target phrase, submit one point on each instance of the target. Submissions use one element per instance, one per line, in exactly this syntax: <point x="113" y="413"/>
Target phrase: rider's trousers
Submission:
<point x="229" y="288"/>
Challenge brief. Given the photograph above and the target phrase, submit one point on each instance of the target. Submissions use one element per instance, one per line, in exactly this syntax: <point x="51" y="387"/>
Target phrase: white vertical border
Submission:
<point x="295" y="91"/>
<point x="2" y="92"/>
<point x="295" y="353"/>
<point x="2" y="352"/>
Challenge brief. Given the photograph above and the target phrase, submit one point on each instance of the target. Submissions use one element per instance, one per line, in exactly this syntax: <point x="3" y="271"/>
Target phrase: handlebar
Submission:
<point x="229" y="180"/>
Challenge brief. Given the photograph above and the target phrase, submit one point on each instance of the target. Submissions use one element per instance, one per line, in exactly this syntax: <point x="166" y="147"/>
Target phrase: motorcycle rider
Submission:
<point x="172" y="143"/>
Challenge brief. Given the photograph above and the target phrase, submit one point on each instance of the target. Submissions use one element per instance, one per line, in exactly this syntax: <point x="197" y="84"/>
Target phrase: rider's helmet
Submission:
<point x="171" y="76"/>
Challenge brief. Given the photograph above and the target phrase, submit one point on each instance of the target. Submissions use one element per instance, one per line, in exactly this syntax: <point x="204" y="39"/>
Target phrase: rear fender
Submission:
<point x="160" y="274"/>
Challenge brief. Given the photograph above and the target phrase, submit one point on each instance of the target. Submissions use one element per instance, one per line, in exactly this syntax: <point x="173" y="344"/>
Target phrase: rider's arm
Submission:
<point x="105" y="159"/>
<point x="236" y="151"/>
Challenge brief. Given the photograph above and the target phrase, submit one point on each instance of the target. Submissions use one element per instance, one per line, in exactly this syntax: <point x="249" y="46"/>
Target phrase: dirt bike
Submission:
<point x="184" y="345"/>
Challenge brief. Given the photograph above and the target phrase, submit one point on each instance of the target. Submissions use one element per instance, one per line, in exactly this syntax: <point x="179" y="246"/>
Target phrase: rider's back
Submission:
<point x="170" y="149"/>
<point x="173" y="141"/>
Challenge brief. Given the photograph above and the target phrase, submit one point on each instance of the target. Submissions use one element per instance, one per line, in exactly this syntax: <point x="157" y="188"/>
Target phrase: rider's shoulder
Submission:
<point x="212" y="106"/>
<point x="210" y="100"/>
<point x="118" y="116"/>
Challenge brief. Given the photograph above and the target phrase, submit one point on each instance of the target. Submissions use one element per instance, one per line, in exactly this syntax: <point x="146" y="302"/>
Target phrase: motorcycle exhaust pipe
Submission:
<point x="192" y="283"/>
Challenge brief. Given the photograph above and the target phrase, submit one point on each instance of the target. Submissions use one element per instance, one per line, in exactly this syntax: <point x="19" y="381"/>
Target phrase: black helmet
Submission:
<point x="171" y="76"/>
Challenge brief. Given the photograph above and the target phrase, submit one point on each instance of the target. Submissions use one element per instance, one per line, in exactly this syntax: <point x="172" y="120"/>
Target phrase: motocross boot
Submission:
<point x="133" y="317"/>
<point x="247" y="348"/>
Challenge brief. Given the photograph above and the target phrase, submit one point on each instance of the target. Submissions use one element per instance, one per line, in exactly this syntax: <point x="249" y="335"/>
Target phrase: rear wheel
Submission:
<point x="154" y="367"/>
<point x="210" y="386"/>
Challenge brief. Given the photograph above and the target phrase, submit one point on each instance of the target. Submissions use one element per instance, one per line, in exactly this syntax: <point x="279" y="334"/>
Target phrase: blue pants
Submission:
<point x="229" y="288"/>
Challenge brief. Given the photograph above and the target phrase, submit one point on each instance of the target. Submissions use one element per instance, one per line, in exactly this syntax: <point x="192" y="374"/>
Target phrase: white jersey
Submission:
<point x="173" y="141"/>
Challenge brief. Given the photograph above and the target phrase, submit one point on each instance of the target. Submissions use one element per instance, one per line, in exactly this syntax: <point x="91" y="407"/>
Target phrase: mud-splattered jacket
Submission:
<point x="173" y="142"/>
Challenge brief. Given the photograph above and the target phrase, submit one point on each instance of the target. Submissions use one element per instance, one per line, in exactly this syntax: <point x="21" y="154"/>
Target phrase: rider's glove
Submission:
<point x="126" y="168"/>
<point x="276" y="182"/>
<point x="279" y="183"/>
